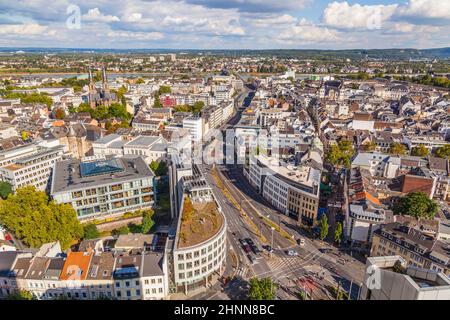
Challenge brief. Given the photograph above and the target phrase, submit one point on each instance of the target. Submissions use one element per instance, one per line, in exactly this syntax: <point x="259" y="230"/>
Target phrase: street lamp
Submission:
<point x="271" y="242"/>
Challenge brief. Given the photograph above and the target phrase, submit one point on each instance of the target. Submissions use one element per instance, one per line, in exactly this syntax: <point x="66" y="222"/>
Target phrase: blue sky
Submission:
<point x="225" y="24"/>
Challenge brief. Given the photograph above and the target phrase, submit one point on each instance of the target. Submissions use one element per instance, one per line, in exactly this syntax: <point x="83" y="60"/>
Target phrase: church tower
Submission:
<point x="106" y="91"/>
<point x="91" y="90"/>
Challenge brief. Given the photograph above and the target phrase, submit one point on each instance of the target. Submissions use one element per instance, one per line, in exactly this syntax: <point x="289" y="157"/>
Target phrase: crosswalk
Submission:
<point x="242" y="272"/>
<point x="277" y="263"/>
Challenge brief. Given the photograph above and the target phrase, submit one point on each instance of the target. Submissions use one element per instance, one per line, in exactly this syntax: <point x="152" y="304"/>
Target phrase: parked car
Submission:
<point x="243" y="242"/>
<point x="251" y="258"/>
<point x="301" y="241"/>
<point x="268" y="248"/>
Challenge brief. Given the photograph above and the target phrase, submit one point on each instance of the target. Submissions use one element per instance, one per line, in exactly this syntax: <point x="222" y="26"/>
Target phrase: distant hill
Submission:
<point x="399" y="54"/>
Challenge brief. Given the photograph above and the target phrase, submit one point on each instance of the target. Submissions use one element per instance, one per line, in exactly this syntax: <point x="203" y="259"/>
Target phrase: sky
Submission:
<point x="225" y="24"/>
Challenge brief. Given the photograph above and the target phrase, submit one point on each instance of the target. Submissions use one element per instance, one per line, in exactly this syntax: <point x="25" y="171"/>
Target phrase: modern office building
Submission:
<point x="105" y="187"/>
<point x="33" y="168"/>
<point x="198" y="250"/>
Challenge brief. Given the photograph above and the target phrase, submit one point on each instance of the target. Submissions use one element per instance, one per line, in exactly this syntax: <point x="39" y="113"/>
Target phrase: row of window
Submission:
<point x="197" y="272"/>
<point x="203" y="251"/>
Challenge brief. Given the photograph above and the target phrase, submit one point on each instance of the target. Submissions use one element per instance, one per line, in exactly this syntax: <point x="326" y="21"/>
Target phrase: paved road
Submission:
<point x="282" y="268"/>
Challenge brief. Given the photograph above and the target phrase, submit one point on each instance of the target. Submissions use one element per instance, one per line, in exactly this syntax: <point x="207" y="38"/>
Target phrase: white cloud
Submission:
<point x="432" y="9"/>
<point x="136" y="35"/>
<point x="23" y="29"/>
<point x="345" y="16"/>
<point x="305" y="31"/>
<point x="132" y="17"/>
<point x="271" y="20"/>
<point x="95" y="15"/>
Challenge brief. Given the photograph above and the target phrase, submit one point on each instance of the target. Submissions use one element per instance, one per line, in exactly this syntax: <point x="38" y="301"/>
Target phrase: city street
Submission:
<point x="330" y="269"/>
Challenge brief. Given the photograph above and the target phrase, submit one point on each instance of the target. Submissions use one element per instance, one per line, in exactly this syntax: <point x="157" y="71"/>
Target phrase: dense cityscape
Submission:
<point x="182" y="174"/>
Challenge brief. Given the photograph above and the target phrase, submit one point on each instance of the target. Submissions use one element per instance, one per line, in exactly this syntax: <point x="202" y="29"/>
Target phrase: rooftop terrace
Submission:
<point x="199" y="222"/>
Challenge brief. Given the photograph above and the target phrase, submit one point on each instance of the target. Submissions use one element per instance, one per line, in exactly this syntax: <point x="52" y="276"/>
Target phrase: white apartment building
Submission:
<point x="379" y="164"/>
<point x="195" y="127"/>
<point x="293" y="190"/>
<point x="151" y="148"/>
<point x="154" y="277"/>
<point x="34" y="169"/>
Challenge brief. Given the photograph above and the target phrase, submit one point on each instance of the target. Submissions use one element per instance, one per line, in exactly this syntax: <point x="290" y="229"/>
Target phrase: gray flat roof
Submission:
<point x="67" y="175"/>
<point x="108" y="138"/>
<point x="146" y="141"/>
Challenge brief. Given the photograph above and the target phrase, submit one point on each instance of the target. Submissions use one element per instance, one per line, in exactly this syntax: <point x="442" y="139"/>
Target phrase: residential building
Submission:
<point x="292" y="189"/>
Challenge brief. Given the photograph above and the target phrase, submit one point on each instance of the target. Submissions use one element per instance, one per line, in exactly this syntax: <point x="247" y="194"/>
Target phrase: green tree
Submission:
<point x="444" y="151"/>
<point x="100" y="112"/>
<point x="159" y="168"/>
<point x="122" y="230"/>
<point x="91" y="231"/>
<point x="398" y="148"/>
<point x="164" y="89"/>
<point x="121" y="93"/>
<point x="140" y="81"/>
<point x="420" y="151"/>
<point x="182" y="108"/>
<point x="20" y="295"/>
<point x="117" y="110"/>
<point x="31" y="98"/>
<point x="36" y="220"/>
<point x="5" y="190"/>
<point x="323" y="225"/>
<point x="262" y="289"/>
<point x="416" y="204"/>
<point x="198" y="106"/>
<point x="338" y="232"/>
<point x="157" y="103"/>
<point x="369" y="147"/>
<point x="147" y="221"/>
<point x="341" y="153"/>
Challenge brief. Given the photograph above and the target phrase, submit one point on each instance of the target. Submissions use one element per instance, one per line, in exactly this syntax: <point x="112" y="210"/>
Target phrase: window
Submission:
<point x="128" y="293"/>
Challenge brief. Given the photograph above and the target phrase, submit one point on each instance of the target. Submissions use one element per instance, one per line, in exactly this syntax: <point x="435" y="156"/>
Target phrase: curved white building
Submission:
<point x="199" y="250"/>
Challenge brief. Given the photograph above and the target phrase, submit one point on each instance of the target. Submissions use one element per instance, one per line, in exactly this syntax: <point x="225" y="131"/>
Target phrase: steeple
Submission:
<point x="106" y="93"/>
<point x="91" y="90"/>
<point x="105" y="80"/>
